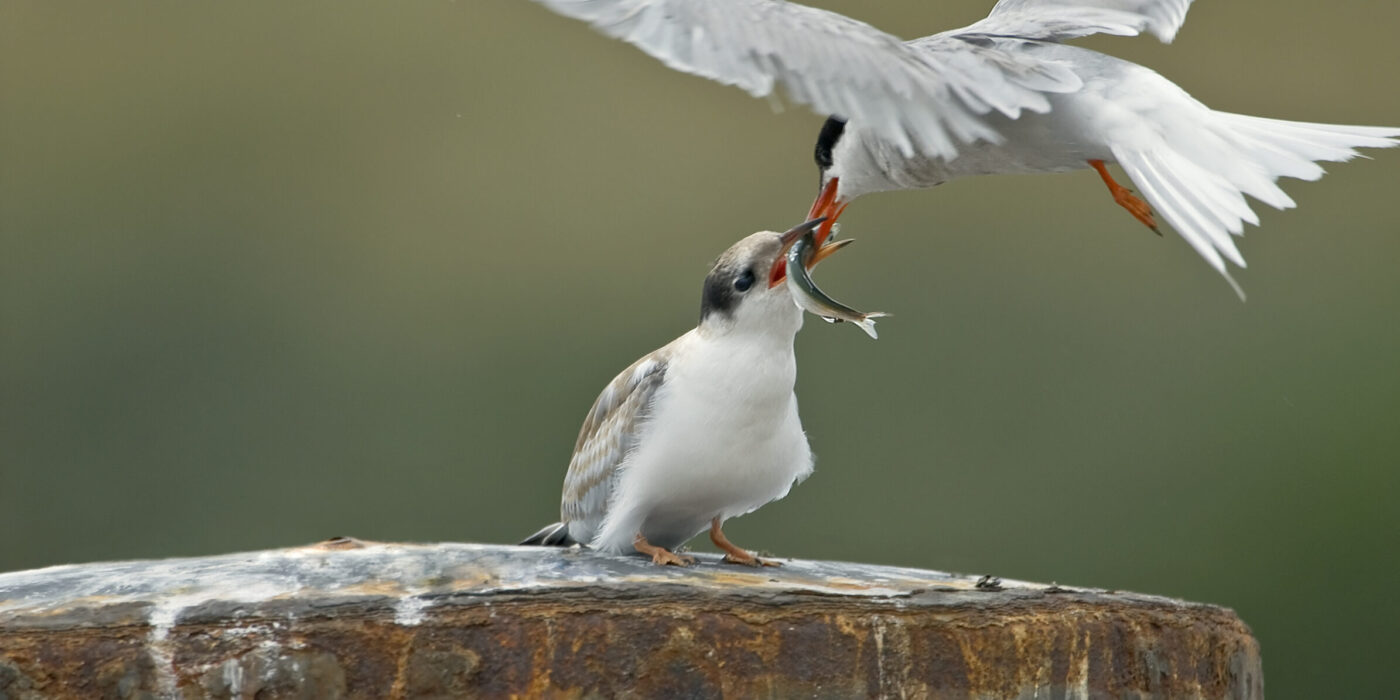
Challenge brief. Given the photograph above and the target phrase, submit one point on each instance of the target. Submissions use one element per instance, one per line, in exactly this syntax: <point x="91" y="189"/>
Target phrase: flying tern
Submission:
<point x="1002" y="95"/>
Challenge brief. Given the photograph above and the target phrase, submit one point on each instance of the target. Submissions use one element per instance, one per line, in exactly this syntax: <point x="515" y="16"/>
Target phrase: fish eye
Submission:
<point x="744" y="281"/>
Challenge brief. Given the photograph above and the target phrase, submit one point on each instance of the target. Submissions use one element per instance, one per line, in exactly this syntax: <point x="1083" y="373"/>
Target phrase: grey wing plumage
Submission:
<point x="917" y="100"/>
<point x="609" y="433"/>
<point x="1057" y="20"/>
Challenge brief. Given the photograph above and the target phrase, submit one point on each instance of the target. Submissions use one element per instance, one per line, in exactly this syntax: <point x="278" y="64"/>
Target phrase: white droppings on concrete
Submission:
<point x="162" y="618"/>
<point x="165" y="612"/>
<point x="233" y="677"/>
<point x="399" y="570"/>
<point x="879" y="621"/>
<point x="409" y="610"/>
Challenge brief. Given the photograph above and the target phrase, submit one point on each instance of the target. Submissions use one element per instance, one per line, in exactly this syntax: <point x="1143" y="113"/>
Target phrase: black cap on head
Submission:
<point x="826" y="140"/>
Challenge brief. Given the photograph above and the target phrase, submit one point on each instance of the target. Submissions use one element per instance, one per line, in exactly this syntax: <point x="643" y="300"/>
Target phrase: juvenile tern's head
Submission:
<point x="743" y="291"/>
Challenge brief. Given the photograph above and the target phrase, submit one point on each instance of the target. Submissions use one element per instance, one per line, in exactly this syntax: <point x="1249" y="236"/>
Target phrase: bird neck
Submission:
<point x="748" y="368"/>
<point x="773" y="330"/>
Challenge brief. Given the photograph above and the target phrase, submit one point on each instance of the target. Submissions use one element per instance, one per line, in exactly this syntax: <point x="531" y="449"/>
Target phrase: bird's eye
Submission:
<point x="744" y="281"/>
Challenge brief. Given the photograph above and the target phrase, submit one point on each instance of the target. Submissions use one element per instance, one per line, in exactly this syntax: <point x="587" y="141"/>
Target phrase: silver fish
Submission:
<point x="801" y="258"/>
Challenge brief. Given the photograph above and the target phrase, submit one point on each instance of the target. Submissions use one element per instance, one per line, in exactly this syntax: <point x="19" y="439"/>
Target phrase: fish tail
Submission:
<point x="867" y="323"/>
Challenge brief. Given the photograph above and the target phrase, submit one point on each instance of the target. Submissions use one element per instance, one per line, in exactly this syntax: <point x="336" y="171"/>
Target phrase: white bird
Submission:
<point x="703" y="429"/>
<point x="1002" y="95"/>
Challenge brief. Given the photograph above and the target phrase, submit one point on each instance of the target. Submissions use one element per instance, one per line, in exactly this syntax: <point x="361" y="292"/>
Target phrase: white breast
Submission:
<point x="724" y="438"/>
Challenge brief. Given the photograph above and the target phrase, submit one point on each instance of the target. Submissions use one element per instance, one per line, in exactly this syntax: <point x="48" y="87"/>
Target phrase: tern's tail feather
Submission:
<point x="1197" y="177"/>
<point x="555" y="535"/>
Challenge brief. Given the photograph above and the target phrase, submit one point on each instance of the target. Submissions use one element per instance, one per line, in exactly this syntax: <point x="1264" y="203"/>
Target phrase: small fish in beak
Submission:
<point x="801" y="258"/>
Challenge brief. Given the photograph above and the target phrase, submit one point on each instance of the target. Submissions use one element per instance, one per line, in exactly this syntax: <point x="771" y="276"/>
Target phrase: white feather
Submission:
<point x="924" y="98"/>
<point x="724" y="439"/>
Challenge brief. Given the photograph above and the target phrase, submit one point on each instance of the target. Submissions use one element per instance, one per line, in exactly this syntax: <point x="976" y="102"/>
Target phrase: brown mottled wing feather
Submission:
<point x="609" y="433"/>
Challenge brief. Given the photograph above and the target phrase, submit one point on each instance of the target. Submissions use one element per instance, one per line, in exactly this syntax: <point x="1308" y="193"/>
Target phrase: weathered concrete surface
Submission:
<point x="368" y="620"/>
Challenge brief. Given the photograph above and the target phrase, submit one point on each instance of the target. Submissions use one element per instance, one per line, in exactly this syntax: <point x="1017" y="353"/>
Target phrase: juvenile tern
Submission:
<point x="1002" y="95"/>
<point x="703" y="429"/>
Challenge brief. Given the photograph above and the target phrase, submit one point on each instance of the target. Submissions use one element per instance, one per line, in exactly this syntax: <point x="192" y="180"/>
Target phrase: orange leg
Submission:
<point x="1126" y="199"/>
<point x="660" y="555"/>
<point x="735" y="555"/>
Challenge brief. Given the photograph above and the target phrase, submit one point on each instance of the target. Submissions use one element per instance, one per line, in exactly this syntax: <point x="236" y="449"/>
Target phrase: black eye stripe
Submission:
<point x="727" y="285"/>
<point x="744" y="281"/>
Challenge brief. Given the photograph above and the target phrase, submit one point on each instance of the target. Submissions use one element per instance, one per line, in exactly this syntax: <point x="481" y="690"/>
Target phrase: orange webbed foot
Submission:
<point x="660" y="555"/>
<point x="733" y="553"/>
<point x="746" y="559"/>
<point x="1126" y="199"/>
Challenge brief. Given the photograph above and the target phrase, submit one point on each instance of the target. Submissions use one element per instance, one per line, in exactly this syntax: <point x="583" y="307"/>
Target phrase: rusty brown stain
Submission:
<point x="694" y="647"/>
<point x="580" y="625"/>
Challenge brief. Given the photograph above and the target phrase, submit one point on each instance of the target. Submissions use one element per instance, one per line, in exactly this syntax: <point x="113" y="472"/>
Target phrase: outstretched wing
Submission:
<point x="1057" y="20"/>
<point x="919" y="101"/>
<point x="609" y="433"/>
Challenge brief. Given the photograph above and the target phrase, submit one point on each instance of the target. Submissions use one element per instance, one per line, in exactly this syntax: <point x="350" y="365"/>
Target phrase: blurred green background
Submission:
<point x="273" y="272"/>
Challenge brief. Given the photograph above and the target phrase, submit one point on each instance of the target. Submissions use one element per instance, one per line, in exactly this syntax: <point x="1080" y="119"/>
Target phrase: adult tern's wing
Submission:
<point x="1057" y="20"/>
<point x="919" y="101"/>
<point x="608" y="435"/>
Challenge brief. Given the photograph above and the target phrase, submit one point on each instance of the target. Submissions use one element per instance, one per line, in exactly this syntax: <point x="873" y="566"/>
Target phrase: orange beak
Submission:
<point x="825" y="210"/>
<point x="779" y="269"/>
<point x="827" y="206"/>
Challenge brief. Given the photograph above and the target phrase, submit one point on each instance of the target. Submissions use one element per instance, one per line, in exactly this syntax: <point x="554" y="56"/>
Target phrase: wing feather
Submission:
<point x="1057" y="20"/>
<point x="924" y="99"/>
<point x="609" y="433"/>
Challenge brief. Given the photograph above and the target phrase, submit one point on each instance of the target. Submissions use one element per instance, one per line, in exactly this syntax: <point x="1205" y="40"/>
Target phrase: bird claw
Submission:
<point x="665" y="557"/>
<point x="749" y="560"/>
<point x="1125" y="198"/>
<point x="734" y="554"/>
<point x="1140" y="210"/>
<point x="660" y="555"/>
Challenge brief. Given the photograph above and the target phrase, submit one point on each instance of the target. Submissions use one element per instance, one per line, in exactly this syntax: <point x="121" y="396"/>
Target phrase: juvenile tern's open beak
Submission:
<point x="779" y="269"/>
<point x="827" y="206"/>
